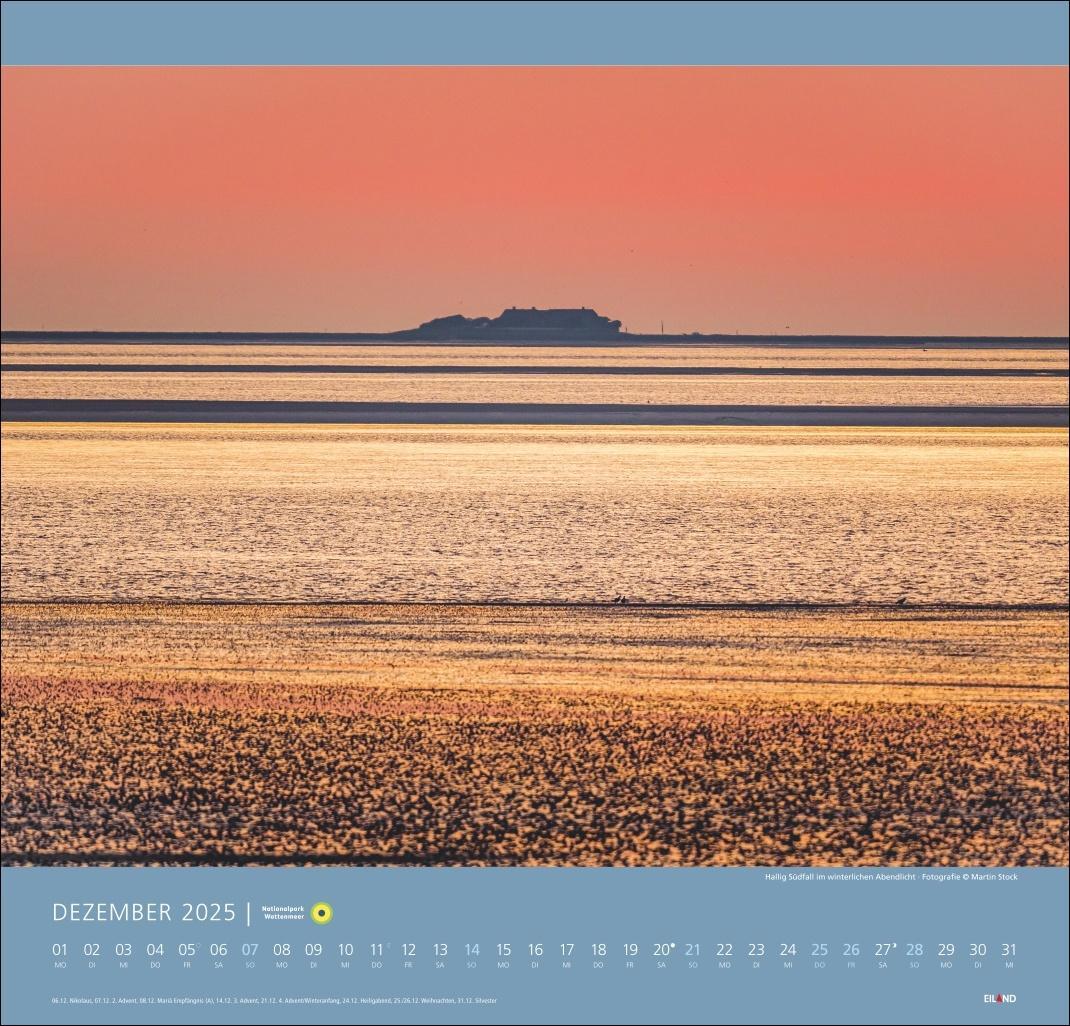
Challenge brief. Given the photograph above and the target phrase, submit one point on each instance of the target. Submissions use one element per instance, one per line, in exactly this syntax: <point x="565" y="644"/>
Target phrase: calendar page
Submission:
<point x="534" y="512"/>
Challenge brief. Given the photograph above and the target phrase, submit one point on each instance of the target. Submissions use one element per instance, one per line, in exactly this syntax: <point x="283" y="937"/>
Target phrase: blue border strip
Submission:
<point x="866" y="920"/>
<point x="56" y="32"/>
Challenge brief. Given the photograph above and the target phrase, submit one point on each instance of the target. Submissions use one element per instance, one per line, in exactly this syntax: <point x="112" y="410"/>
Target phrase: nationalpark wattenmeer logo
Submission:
<point x="321" y="913"/>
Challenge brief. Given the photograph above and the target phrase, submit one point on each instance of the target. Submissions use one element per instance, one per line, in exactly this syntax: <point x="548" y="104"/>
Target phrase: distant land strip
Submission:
<point x="445" y="368"/>
<point x="624" y="340"/>
<point x="602" y="414"/>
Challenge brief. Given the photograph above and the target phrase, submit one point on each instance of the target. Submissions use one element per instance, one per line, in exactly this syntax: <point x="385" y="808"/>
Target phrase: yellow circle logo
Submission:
<point x="321" y="913"/>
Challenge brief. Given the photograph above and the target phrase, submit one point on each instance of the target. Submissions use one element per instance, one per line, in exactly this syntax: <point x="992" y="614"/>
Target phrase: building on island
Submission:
<point x="522" y="323"/>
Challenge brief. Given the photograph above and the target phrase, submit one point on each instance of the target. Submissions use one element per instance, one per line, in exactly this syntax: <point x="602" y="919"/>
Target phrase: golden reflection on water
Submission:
<point x="476" y="355"/>
<point x="540" y="388"/>
<point x="560" y="513"/>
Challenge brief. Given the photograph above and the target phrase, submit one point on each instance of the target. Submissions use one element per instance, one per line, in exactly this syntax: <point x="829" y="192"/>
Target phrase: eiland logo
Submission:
<point x="1000" y="999"/>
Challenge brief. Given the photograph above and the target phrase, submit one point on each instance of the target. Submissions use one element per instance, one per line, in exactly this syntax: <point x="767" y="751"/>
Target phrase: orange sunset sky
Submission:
<point x="871" y="200"/>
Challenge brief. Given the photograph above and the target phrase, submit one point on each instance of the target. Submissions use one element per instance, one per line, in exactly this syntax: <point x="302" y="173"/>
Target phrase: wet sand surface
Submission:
<point x="535" y="735"/>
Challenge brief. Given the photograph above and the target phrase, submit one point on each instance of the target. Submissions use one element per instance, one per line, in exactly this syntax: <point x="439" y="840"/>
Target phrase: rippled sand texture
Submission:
<point x="482" y="514"/>
<point x="505" y="735"/>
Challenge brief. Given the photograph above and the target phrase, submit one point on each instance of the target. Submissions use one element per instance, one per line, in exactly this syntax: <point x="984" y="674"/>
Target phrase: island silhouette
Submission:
<point x="520" y="323"/>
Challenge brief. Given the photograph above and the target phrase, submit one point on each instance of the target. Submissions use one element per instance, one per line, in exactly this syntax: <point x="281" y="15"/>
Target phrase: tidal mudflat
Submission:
<point x="534" y="735"/>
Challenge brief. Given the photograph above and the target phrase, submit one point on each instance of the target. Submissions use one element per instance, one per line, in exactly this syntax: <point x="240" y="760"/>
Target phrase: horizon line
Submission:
<point x="8" y="334"/>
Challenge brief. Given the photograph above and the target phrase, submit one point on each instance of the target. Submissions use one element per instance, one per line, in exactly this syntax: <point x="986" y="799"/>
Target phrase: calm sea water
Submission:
<point x="431" y="513"/>
<point x="541" y="388"/>
<point x="540" y="356"/>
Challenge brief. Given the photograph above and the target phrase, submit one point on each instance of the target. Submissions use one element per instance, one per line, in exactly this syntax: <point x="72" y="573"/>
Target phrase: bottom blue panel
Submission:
<point x="330" y="945"/>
